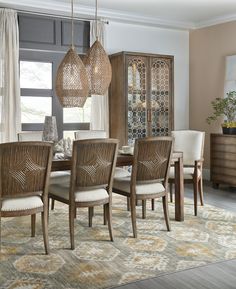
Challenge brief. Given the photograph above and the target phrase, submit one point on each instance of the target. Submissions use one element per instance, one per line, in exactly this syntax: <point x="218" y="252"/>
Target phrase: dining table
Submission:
<point x="127" y="160"/>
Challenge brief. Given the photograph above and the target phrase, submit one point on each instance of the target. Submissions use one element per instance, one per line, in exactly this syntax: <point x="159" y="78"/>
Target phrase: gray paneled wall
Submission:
<point x="52" y="33"/>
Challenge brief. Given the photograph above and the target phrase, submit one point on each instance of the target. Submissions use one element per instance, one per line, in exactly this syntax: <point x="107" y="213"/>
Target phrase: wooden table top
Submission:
<point x="122" y="160"/>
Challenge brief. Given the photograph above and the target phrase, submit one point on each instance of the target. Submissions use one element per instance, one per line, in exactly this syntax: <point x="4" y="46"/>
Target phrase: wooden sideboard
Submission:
<point x="223" y="159"/>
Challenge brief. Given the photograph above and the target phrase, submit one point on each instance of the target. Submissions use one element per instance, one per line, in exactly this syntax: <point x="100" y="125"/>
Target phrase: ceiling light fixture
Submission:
<point x="98" y="65"/>
<point x="71" y="81"/>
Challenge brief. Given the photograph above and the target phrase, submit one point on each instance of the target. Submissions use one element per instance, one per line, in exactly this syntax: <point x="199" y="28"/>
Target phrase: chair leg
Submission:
<point x="45" y="230"/>
<point x="33" y="221"/>
<point x="166" y="211"/>
<point x="108" y="211"/>
<point x="75" y="213"/>
<point x="200" y="189"/>
<point x="104" y="214"/>
<point x="171" y="192"/>
<point x="128" y="204"/>
<point x="144" y="209"/>
<point x="153" y="204"/>
<point x="195" y="193"/>
<point x="133" y="215"/>
<point x="90" y="211"/>
<point x="71" y="225"/>
<point x="52" y="204"/>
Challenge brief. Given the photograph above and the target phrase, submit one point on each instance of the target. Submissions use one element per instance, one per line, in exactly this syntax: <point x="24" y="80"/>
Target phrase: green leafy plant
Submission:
<point x="224" y="107"/>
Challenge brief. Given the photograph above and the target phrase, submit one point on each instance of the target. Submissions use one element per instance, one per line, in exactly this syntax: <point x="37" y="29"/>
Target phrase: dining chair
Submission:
<point x="30" y="136"/>
<point x="93" y="164"/>
<point x="191" y="143"/>
<point x="55" y="177"/>
<point x="149" y="176"/>
<point x="90" y="134"/>
<point x="24" y="179"/>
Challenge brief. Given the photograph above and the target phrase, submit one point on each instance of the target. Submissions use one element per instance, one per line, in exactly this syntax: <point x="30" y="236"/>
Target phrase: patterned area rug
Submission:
<point x="98" y="263"/>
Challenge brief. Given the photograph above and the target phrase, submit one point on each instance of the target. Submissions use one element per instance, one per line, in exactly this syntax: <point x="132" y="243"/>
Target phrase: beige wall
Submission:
<point x="208" y="49"/>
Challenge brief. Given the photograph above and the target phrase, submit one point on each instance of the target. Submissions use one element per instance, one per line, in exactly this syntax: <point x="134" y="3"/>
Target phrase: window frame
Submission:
<point x="57" y="110"/>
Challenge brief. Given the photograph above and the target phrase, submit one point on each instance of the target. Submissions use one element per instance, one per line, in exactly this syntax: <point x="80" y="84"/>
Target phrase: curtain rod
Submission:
<point x="55" y="15"/>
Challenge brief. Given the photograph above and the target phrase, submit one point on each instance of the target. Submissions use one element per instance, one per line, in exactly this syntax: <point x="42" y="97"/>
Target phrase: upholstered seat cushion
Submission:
<point x="123" y="184"/>
<point x="188" y="173"/>
<point x="21" y="204"/>
<point x="59" y="177"/>
<point x="120" y="173"/>
<point x="62" y="190"/>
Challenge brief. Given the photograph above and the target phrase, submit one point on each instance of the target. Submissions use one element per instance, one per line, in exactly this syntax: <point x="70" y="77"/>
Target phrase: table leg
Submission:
<point x="179" y="190"/>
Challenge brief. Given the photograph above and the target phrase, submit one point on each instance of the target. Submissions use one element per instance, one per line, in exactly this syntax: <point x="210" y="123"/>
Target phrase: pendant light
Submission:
<point x="98" y="65"/>
<point x="71" y="81"/>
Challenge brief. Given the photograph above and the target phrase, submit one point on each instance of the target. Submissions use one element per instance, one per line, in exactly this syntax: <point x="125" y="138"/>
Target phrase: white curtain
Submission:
<point x="9" y="76"/>
<point x="99" y="103"/>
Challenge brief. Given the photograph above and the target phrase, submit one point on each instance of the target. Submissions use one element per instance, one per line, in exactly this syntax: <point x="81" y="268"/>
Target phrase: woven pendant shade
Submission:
<point x="98" y="69"/>
<point x="71" y="82"/>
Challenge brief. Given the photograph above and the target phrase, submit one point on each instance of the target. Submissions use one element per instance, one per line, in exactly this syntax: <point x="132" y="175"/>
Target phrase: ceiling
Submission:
<point x="182" y="14"/>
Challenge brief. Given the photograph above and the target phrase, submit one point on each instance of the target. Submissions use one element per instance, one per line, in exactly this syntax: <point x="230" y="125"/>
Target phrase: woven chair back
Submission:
<point x="152" y="158"/>
<point x="93" y="162"/>
<point x="24" y="168"/>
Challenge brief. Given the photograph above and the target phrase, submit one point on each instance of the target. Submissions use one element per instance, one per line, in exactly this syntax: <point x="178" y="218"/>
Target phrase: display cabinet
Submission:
<point x="140" y="96"/>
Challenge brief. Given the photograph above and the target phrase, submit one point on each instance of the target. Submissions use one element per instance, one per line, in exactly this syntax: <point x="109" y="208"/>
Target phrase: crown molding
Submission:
<point x="59" y="8"/>
<point x="54" y="7"/>
<point x="215" y="21"/>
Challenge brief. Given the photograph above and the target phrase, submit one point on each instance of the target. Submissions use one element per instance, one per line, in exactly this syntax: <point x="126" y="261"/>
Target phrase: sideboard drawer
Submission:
<point x="223" y="159"/>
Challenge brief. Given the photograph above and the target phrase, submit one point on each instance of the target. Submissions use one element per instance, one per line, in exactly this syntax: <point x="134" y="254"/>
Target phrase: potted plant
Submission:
<point x="225" y="107"/>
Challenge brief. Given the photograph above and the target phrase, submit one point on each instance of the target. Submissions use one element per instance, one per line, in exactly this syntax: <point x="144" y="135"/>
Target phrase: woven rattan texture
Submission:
<point x="94" y="163"/>
<point x="23" y="168"/>
<point x="72" y="82"/>
<point x="98" y="67"/>
<point x="153" y="158"/>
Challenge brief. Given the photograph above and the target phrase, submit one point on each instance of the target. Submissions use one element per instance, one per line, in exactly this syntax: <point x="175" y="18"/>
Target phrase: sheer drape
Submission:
<point x="9" y="76"/>
<point x="99" y="103"/>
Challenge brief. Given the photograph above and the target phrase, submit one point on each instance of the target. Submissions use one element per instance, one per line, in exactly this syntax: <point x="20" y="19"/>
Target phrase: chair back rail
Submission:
<point x="30" y="136"/>
<point x="90" y="134"/>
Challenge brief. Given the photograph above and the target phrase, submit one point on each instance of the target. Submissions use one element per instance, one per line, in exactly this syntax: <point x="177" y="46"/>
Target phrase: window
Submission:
<point x="38" y="97"/>
<point x="40" y="55"/>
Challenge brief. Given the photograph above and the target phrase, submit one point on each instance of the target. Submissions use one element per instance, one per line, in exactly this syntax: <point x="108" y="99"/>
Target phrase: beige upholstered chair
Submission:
<point x="30" y="136"/>
<point x="90" y="134"/>
<point x="93" y="164"/>
<point x="191" y="143"/>
<point x="149" y="177"/>
<point x="24" y="179"/>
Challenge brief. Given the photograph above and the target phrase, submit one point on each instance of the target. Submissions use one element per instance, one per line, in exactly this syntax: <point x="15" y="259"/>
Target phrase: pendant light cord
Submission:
<point x="72" y="23"/>
<point x="96" y="19"/>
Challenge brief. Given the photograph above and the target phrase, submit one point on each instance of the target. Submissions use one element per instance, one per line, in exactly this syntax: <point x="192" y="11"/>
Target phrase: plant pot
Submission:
<point x="229" y="130"/>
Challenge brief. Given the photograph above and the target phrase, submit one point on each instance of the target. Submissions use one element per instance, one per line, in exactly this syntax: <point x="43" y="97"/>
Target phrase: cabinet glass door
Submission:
<point x="137" y="82"/>
<point x="160" y="96"/>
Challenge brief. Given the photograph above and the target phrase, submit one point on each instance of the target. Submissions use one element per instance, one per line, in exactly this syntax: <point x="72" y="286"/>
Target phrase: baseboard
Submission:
<point x="206" y="174"/>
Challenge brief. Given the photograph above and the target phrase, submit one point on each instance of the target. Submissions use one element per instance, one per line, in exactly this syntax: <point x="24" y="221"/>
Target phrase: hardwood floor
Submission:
<point x="219" y="275"/>
<point x="214" y="276"/>
<point x="224" y="197"/>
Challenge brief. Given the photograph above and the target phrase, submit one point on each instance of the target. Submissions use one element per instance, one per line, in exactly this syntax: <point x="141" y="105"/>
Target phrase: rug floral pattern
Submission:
<point x="98" y="263"/>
